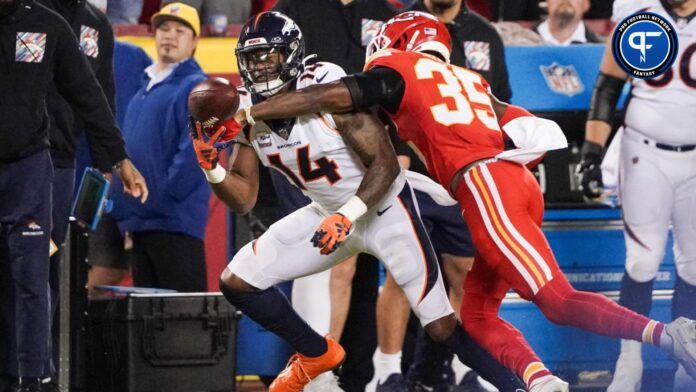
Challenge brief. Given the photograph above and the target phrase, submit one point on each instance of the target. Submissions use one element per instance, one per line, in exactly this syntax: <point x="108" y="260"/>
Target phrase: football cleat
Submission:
<point x="683" y="334"/>
<point x="549" y="383"/>
<point x="302" y="369"/>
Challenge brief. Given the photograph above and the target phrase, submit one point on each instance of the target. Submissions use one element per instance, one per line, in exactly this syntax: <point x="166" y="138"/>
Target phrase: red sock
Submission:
<point x="592" y="312"/>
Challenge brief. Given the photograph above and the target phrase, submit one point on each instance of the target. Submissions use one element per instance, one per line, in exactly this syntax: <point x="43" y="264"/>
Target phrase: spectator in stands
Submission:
<point x="106" y="253"/>
<point x="477" y="46"/>
<point x="506" y="10"/>
<point x="124" y="11"/>
<point x="167" y="231"/>
<point x="564" y="25"/>
<point x="220" y="12"/>
<point x="96" y="40"/>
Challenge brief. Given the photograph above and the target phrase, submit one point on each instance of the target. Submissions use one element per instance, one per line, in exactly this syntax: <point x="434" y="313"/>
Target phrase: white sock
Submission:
<point x="460" y="369"/>
<point x="631" y="348"/>
<point x="386" y="364"/>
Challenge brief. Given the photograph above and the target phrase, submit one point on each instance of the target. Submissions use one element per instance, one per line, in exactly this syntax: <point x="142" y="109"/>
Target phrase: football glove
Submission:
<point x="206" y="150"/>
<point x="331" y="233"/>
<point x="589" y="170"/>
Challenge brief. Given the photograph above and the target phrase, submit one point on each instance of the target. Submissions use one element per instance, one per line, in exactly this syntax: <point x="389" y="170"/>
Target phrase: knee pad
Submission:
<point x="686" y="269"/>
<point x="642" y="264"/>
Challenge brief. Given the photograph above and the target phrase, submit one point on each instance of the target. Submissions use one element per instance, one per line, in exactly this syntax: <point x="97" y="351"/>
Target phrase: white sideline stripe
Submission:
<point x="486" y="220"/>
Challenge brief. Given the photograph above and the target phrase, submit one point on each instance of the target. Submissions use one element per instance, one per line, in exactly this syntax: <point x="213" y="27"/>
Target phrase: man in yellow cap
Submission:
<point x="167" y="231"/>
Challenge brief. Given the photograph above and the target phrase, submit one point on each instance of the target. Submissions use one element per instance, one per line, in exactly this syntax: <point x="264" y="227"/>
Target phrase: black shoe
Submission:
<point x="50" y="386"/>
<point x="27" y="387"/>
<point x="440" y="387"/>
<point x="394" y="383"/>
<point x="469" y="383"/>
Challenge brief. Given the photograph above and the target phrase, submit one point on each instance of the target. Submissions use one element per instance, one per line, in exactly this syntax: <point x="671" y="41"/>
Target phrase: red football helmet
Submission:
<point x="413" y="31"/>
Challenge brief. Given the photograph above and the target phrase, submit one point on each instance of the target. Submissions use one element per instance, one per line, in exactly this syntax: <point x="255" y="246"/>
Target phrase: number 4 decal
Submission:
<point x="324" y="168"/>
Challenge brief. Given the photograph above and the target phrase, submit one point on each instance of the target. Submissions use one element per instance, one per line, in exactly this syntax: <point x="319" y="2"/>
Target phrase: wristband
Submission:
<point x="249" y="118"/>
<point x="353" y="209"/>
<point x="215" y="176"/>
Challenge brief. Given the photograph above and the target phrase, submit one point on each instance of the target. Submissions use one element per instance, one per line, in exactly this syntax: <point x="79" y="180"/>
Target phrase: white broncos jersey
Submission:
<point x="309" y="150"/>
<point x="664" y="108"/>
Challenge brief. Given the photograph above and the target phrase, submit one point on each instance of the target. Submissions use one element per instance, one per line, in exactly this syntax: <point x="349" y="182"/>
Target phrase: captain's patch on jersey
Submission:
<point x="370" y="28"/>
<point x="644" y="44"/>
<point x="89" y="41"/>
<point x="562" y="79"/>
<point x="30" y="47"/>
<point x="478" y="55"/>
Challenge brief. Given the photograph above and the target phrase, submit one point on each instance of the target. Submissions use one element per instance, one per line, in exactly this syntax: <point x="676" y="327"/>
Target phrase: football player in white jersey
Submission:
<point x="657" y="183"/>
<point x="347" y="166"/>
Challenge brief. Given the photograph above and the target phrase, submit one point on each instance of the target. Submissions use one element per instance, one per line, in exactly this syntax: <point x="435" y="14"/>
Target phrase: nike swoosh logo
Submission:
<point x="322" y="77"/>
<point x="379" y="213"/>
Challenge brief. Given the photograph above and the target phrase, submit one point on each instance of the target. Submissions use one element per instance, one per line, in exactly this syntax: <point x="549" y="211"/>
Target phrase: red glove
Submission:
<point x="232" y="129"/>
<point x="331" y="233"/>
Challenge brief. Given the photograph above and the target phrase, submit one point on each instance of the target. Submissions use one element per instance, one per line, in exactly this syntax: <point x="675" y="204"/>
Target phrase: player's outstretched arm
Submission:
<point x="236" y="187"/>
<point x="331" y="97"/>
<point x="366" y="135"/>
<point x="240" y="186"/>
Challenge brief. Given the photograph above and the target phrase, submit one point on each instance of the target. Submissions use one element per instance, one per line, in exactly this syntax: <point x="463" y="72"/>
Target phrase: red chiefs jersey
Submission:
<point x="445" y="113"/>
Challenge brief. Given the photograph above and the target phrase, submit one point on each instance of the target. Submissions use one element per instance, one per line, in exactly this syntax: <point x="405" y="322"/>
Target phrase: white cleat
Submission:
<point x="683" y="334"/>
<point x="325" y="382"/>
<point x="629" y="368"/>
<point x="683" y="382"/>
<point x="549" y="383"/>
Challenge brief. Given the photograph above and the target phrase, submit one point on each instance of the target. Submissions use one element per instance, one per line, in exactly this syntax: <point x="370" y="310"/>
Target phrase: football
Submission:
<point x="211" y="102"/>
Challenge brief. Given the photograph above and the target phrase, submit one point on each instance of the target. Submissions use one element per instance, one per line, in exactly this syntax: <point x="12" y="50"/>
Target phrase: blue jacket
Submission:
<point x="156" y="134"/>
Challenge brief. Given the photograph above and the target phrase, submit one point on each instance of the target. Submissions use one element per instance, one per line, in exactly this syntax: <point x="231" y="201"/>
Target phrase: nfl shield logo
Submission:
<point x="562" y="79"/>
<point x="89" y="41"/>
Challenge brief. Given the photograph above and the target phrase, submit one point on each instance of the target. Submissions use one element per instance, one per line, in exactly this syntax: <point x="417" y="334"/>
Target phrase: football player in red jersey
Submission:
<point x="448" y="116"/>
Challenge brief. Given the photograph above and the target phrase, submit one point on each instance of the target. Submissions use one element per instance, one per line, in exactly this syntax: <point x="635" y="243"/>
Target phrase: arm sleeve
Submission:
<point x="380" y="86"/>
<point x="78" y="85"/>
<point x="183" y="171"/>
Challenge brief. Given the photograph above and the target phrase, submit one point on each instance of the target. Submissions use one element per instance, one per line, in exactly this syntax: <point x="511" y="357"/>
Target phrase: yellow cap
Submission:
<point x="179" y="12"/>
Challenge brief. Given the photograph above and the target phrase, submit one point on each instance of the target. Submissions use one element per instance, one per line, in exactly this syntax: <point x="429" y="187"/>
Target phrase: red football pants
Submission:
<point x="503" y="207"/>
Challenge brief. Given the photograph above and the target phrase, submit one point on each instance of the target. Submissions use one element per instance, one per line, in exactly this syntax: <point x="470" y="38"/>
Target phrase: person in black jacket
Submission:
<point x="96" y="40"/>
<point x="38" y="48"/>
